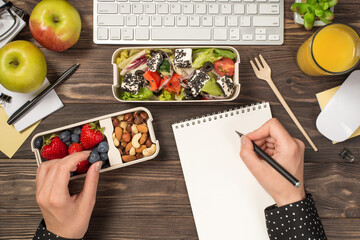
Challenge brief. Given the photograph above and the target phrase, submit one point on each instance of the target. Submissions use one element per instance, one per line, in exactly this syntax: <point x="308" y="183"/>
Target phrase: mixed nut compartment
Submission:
<point x="125" y="137"/>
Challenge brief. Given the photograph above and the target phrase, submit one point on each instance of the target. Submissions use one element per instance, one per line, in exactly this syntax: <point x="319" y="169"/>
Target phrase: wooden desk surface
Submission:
<point x="149" y="200"/>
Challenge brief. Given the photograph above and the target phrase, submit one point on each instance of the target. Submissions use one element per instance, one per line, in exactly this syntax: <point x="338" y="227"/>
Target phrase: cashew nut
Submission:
<point x="121" y="117"/>
<point x="134" y="129"/>
<point x="113" y="135"/>
<point x="123" y="125"/>
<point x="149" y="151"/>
<point x="135" y="140"/>
<point x="116" y="142"/>
<point x="132" y="151"/>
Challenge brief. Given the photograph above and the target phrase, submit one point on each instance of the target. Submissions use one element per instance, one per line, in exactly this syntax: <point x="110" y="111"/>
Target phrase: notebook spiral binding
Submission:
<point x="219" y="115"/>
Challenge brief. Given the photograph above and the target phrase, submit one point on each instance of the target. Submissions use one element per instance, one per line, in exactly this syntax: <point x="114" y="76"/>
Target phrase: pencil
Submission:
<point x="274" y="164"/>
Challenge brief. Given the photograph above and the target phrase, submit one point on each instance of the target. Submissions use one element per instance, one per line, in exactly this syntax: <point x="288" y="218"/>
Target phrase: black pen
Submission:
<point x="29" y="104"/>
<point x="274" y="164"/>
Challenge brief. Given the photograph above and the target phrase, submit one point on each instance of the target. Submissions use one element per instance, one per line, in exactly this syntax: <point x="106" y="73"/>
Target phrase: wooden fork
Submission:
<point x="264" y="72"/>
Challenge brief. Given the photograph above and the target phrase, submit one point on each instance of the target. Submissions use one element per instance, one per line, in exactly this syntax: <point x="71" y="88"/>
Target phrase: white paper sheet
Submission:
<point x="227" y="201"/>
<point x="49" y="104"/>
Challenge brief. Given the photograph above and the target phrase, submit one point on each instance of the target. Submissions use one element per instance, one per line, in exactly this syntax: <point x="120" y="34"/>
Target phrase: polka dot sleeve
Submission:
<point x="298" y="220"/>
<point x="43" y="234"/>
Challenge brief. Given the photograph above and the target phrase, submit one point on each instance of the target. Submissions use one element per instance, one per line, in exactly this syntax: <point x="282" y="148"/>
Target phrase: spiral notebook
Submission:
<point x="226" y="200"/>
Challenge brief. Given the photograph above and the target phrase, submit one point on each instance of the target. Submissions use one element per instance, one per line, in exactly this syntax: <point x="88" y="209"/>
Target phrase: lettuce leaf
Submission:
<point x="205" y="56"/>
<point x="224" y="53"/>
<point x="181" y="95"/>
<point x="166" y="96"/>
<point x="143" y="94"/>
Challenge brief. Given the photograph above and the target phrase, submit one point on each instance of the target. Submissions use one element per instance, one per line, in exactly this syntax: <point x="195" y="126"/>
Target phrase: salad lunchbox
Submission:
<point x="176" y="74"/>
<point x="119" y="139"/>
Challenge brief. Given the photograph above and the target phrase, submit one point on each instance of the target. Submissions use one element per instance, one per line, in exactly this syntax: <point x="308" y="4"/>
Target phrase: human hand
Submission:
<point x="273" y="138"/>
<point x="66" y="216"/>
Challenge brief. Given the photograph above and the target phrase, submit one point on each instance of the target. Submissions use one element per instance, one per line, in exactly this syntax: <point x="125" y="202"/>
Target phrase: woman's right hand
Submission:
<point x="273" y="138"/>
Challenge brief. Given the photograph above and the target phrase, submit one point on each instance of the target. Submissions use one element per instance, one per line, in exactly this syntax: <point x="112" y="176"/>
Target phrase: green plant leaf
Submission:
<point x="309" y="20"/>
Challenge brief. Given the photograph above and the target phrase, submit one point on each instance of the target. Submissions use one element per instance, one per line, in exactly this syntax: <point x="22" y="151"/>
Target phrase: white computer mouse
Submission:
<point x="341" y="116"/>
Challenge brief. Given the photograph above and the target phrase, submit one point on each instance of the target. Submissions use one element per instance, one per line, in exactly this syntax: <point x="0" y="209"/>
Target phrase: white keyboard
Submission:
<point x="210" y="22"/>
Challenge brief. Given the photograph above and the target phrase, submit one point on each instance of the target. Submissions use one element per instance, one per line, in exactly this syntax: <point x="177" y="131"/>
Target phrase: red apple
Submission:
<point x="55" y="24"/>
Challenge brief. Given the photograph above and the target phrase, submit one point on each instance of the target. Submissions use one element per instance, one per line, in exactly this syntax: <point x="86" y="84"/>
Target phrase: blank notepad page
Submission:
<point x="226" y="200"/>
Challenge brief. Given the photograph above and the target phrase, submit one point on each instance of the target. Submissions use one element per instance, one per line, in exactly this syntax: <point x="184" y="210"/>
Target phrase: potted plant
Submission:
<point x="313" y="12"/>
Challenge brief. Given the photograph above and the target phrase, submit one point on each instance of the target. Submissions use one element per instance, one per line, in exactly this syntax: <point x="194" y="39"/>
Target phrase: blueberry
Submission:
<point x="77" y="130"/>
<point x="103" y="157"/>
<point x="39" y="143"/>
<point x="75" y="138"/>
<point x="65" y="136"/>
<point x="103" y="147"/>
<point x="94" y="157"/>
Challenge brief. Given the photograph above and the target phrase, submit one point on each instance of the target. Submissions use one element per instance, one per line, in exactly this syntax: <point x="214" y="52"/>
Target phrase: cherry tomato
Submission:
<point x="173" y="86"/>
<point x="154" y="80"/>
<point x="224" y="66"/>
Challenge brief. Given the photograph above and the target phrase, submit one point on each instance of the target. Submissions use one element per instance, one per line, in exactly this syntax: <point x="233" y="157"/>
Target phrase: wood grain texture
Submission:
<point x="149" y="200"/>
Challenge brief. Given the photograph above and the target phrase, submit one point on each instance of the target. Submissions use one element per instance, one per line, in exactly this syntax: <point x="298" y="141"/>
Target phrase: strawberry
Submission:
<point x="91" y="135"/>
<point x="83" y="166"/>
<point x="75" y="147"/>
<point x="53" y="148"/>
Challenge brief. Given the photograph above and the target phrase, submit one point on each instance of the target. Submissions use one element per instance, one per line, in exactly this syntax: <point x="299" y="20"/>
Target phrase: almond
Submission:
<point x="126" y="137"/>
<point x="142" y="128"/>
<point x="118" y="133"/>
<point x="128" y="147"/>
<point x="140" y="149"/>
<point x="143" y="138"/>
<point x="128" y="158"/>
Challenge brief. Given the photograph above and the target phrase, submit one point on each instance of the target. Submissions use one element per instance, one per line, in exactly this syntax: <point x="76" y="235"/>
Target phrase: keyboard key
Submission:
<point x="138" y="8"/>
<point x="220" y="21"/>
<point x="185" y="0"/>
<point x="156" y="21"/>
<point x="175" y="8"/>
<point x="264" y="21"/>
<point x="144" y="20"/>
<point x="274" y="0"/>
<point x="172" y="0"/>
<point x="234" y="34"/>
<point x="181" y="21"/>
<point x="147" y="0"/>
<point x="220" y="34"/>
<point x="131" y="20"/>
<point x="125" y="8"/>
<point x="169" y="21"/>
<point x="194" y="21"/>
<point x="115" y="33"/>
<point x="239" y="8"/>
<point x="251" y="8"/>
<point x="248" y="0"/>
<point x="210" y="0"/>
<point x="274" y="37"/>
<point x="261" y="0"/>
<point x="102" y="33"/>
<point x="163" y="8"/>
<point x="134" y="0"/>
<point x="200" y="8"/>
<point x="110" y="20"/>
<point x="260" y="37"/>
<point x="213" y="8"/>
<point x="142" y="34"/>
<point x="159" y="0"/>
<point x="188" y="8"/>
<point x="235" y="0"/>
<point x="207" y="21"/>
<point x="191" y="34"/>
<point x="150" y="8"/>
<point x="269" y="9"/>
<point x="226" y="8"/>
<point x="223" y="0"/>
<point x="245" y="21"/>
<point x="122" y="0"/>
<point x="260" y="31"/>
<point x="127" y="33"/>
<point x="232" y="21"/>
<point x="106" y="0"/>
<point x="110" y="8"/>
<point x="247" y="37"/>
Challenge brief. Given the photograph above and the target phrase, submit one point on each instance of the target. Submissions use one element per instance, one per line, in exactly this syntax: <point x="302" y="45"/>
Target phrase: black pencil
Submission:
<point x="29" y="104"/>
<point x="274" y="164"/>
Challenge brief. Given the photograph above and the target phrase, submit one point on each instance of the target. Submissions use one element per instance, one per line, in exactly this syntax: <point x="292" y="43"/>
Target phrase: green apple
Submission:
<point x="55" y="24"/>
<point x="22" y="67"/>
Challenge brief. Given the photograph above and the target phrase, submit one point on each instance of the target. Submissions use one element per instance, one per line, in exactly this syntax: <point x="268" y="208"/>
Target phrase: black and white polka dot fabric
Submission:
<point x="298" y="220"/>
<point x="43" y="234"/>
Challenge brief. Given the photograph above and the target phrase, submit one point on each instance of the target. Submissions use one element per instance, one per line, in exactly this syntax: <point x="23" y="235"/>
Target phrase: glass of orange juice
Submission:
<point x="333" y="50"/>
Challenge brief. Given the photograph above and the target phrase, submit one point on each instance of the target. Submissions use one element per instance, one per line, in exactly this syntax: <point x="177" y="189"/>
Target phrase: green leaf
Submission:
<point x="166" y="96"/>
<point x="309" y="20"/>
<point x="300" y="8"/>
<point x="143" y="94"/>
<point x="224" y="53"/>
<point x="206" y="56"/>
<point x="164" y="68"/>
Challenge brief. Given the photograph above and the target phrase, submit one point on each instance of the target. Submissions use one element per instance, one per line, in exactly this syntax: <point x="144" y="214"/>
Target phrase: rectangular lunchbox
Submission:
<point x="116" y="84"/>
<point x="114" y="155"/>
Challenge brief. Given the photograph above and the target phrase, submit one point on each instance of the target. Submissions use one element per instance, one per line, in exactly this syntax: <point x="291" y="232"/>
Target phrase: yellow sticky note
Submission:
<point x="10" y="139"/>
<point x="323" y="99"/>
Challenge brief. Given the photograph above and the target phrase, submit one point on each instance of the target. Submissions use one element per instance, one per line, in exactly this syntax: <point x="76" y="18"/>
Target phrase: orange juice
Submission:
<point x="332" y="50"/>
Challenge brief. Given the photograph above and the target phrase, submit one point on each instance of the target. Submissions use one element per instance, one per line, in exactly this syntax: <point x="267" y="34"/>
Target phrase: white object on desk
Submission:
<point x="5" y="22"/>
<point x="341" y="116"/>
<point x="49" y="104"/>
<point x="227" y="201"/>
